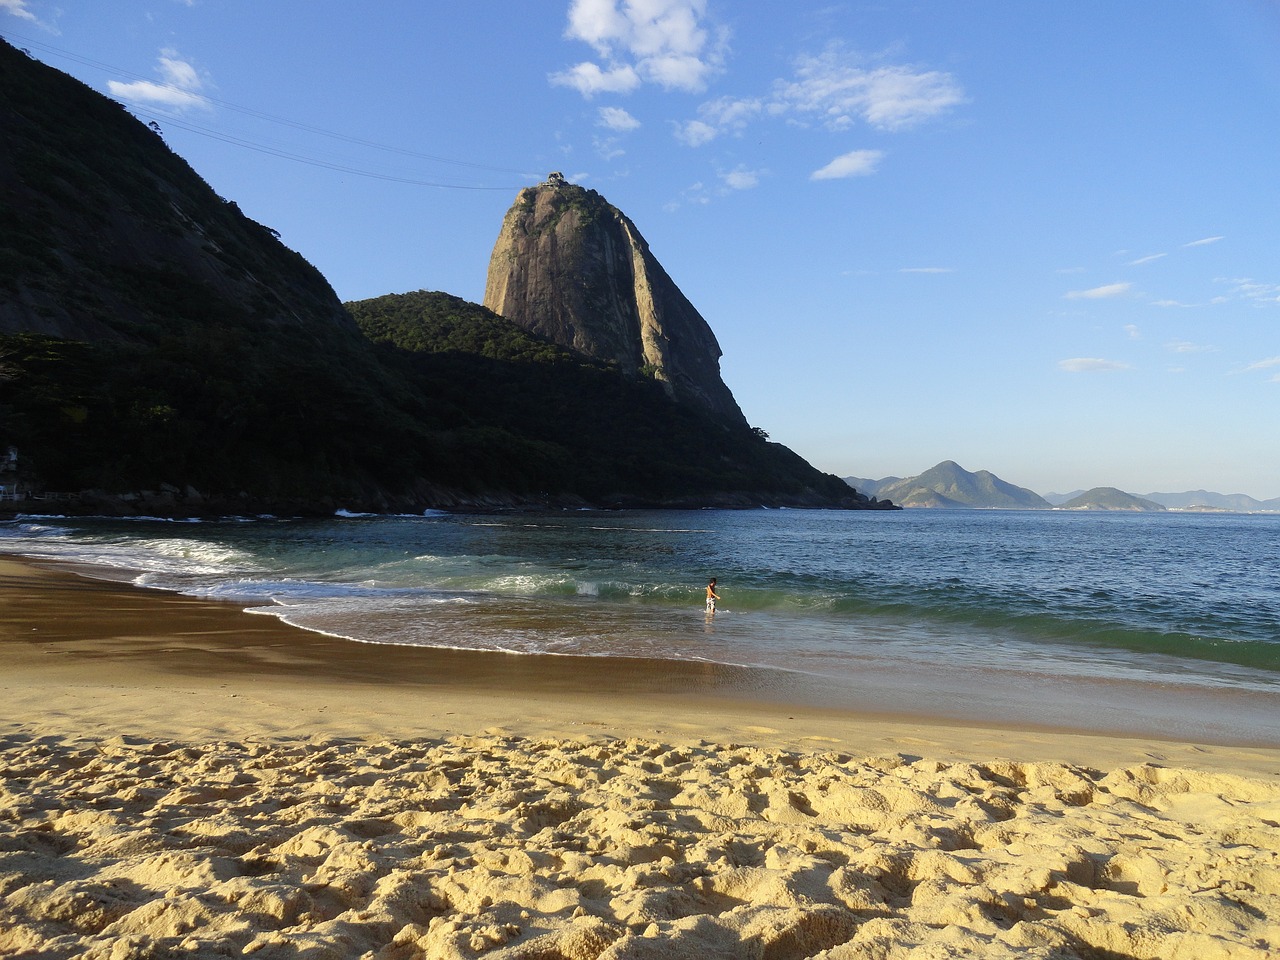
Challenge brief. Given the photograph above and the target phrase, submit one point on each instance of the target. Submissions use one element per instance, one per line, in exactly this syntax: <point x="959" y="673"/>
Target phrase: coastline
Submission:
<point x="83" y="634"/>
<point x="463" y="804"/>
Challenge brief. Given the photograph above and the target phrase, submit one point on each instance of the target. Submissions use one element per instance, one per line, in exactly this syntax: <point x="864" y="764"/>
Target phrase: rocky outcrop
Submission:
<point x="570" y="266"/>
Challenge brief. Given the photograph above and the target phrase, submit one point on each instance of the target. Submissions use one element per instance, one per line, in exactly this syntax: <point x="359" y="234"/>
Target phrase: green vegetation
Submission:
<point x="553" y="422"/>
<point x="1109" y="498"/>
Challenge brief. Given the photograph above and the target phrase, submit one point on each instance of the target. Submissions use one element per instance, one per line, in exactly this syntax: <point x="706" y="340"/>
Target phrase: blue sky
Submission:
<point x="1041" y="239"/>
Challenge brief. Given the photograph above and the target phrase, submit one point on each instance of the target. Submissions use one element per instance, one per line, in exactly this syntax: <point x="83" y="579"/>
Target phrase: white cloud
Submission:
<point x="855" y="163"/>
<point x="1091" y="365"/>
<point x="741" y="178"/>
<point x="1149" y="259"/>
<point x="615" y="118"/>
<point x="927" y="270"/>
<point x="1185" y="346"/>
<point x="722" y="115"/>
<point x="1203" y="243"/>
<point x="588" y="79"/>
<point x="180" y="87"/>
<point x="1133" y="331"/>
<point x="1263" y="364"/>
<point x="18" y="8"/>
<point x="836" y="90"/>
<point x="695" y="133"/>
<point x="732" y="112"/>
<point x="663" y="42"/>
<point x="1101" y="293"/>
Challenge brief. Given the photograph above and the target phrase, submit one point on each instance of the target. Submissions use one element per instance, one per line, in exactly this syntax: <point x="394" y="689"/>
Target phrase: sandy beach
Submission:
<point x="180" y="778"/>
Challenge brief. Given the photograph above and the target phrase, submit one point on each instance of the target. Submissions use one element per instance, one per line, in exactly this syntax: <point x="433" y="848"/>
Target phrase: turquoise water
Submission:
<point x="972" y="598"/>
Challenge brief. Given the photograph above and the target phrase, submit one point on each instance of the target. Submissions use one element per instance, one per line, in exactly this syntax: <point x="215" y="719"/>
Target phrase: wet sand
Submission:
<point x="177" y="775"/>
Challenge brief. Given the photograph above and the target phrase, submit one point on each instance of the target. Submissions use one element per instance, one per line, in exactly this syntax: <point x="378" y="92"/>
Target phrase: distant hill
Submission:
<point x="1057" y="499"/>
<point x="950" y="485"/>
<point x="1109" y="498"/>
<point x="870" y="487"/>
<point x="1206" y="500"/>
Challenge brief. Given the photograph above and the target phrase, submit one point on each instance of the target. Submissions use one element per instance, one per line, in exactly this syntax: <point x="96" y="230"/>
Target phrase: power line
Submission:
<point x="299" y="158"/>
<point x="284" y="121"/>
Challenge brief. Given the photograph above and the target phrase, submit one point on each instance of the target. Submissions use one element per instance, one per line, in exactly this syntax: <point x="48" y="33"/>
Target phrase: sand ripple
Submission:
<point x="510" y="848"/>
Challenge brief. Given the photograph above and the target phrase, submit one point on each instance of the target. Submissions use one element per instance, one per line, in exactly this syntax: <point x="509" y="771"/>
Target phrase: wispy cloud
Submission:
<point x="1148" y="259"/>
<point x="719" y="116"/>
<point x="855" y="163"/>
<point x="1091" y="365"/>
<point x="1247" y="289"/>
<point x="180" y="86"/>
<point x="927" y="270"/>
<point x="1133" y="331"/>
<point x="1101" y="293"/>
<point x="663" y="42"/>
<point x="25" y="10"/>
<point x="607" y="148"/>
<point x="834" y="87"/>
<point x="1263" y="364"/>
<point x="615" y="118"/>
<point x="1203" y="242"/>
<point x="1185" y="346"/>
<point x="19" y="9"/>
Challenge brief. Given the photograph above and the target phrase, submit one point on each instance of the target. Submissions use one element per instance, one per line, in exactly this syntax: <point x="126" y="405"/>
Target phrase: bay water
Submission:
<point x="1164" y="622"/>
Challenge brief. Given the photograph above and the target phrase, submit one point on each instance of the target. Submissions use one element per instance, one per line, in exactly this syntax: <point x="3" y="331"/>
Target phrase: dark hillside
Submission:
<point x="551" y="420"/>
<point x="107" y="234"/>
<point x="151" y="334"/>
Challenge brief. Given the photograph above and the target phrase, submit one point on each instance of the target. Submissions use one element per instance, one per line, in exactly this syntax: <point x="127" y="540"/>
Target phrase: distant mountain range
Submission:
<point x="950" y="485"/>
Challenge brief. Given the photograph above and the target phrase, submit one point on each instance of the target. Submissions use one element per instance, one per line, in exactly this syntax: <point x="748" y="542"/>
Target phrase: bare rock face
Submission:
<point x="570" y="266"/>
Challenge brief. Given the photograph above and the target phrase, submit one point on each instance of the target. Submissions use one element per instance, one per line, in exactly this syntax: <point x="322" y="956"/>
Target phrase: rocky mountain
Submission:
<point x="160" y="352"/>
<point x="570" y="266"/>
<point x="1109" y="498"/>
<point x="950" y="485"/>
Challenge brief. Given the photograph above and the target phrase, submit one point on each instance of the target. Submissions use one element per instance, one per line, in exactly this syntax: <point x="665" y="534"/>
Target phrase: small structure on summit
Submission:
<point x="572" y="267"/>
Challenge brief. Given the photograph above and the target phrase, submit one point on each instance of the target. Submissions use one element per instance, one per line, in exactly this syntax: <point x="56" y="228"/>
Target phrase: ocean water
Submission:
<point x="1035" y="616"/>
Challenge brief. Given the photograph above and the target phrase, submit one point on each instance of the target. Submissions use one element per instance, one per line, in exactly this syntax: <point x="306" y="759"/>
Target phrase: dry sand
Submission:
<point x="178" y="778"/>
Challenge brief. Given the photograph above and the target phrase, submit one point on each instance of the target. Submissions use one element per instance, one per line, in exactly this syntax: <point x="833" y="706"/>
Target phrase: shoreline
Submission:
<point x="181" y="777"/>
<point x="92" y="646"/>
<point x="104" y="618"/>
